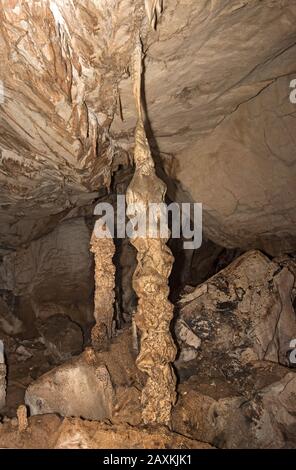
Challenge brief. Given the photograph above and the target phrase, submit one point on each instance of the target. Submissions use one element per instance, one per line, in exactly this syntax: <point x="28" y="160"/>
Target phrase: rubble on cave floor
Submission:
<point x="236" y="390"/>
<point x="52" y="432"/>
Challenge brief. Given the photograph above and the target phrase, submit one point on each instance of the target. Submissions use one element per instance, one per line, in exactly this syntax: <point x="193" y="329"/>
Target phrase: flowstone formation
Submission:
<point x="150" y="281"/>
<point x="103" y="250"/>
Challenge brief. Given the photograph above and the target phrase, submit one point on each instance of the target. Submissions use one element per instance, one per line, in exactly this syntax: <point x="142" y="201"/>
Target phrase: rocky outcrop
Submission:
<point x="235" y="332"/>
<point x="261" y="416"/>
<point x="50" y="431"/>
<point x="75" y="434"/>
<point x="242" y="314"/>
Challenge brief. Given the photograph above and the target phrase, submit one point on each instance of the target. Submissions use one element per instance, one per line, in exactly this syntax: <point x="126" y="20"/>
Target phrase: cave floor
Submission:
<point x="124" y="430"/>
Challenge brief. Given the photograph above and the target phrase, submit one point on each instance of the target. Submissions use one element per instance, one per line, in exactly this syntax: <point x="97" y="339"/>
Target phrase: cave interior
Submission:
<point x="137" y="342"/>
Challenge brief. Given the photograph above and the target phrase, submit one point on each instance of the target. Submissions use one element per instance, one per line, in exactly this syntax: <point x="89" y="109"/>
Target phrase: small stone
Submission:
<point x="23" y="354"/>
<point x="14" y="422"/>
<point x="185" y="334"/>
<point x="188" y="354"/>
<point x="22" y="418"/>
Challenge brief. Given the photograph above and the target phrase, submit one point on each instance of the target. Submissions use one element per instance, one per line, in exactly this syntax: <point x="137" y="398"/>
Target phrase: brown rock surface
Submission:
<point x="86" y="435"/>
<point x="260" y="415"/>
<point x="243" y="313"/>
<point x="217" y="80"/>
<point x="49" y="431"/>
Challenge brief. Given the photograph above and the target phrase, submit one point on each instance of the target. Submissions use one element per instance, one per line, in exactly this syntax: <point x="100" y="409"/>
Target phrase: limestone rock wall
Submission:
<point x="217" y="84"/>
<point x="54" y="274"/>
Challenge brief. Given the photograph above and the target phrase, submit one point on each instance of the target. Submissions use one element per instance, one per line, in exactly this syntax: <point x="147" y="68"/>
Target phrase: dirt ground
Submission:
<point x="51" y="431"/>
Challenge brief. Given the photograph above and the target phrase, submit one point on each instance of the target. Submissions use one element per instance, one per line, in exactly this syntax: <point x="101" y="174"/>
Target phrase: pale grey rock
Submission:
<point x="23" y="353"/>
<point x="186" y="335"/>
<point x="77" y="388"/>
<point x="187" y="354"/>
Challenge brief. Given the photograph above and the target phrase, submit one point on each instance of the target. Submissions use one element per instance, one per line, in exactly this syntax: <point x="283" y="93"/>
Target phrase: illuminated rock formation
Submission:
<point x="2" y="376"/>
<point x="103" y="249"/>
<point x="150" y="280"/>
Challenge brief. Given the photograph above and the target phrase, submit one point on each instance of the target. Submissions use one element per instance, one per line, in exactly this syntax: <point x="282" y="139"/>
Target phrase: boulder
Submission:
<point x="236" y="392"/>
<point x="80" y="387"/>
<point x="261" y="417"/>
<point x="242" y="314"/>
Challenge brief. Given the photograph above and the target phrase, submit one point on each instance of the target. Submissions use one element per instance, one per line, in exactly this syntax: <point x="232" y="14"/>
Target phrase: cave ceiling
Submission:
<point x="217" y="85"/>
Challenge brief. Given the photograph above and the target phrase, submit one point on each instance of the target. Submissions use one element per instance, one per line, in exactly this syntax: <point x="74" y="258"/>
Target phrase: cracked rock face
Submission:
<point x="217" y="89"/>
<point x="242" y="314"/>
<point x="217" y="80"/>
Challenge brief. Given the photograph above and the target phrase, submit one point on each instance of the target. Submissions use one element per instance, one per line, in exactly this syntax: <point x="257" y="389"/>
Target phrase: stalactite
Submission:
<point x="150" y="280"/>
<point x="103" y="249"/>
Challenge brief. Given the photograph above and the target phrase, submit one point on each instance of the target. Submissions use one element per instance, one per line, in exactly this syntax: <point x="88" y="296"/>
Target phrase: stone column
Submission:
<point x="150" y="280"/>
<point x="2" y="377"/>
<point x="103" y="250"/>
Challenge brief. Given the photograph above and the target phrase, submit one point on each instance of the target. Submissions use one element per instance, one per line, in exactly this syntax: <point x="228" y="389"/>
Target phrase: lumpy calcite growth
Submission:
<point x="150" y="280"/>
<point x="103" y="249"/>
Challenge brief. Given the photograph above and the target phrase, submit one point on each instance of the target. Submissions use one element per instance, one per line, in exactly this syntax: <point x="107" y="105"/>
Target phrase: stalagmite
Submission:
<point x="103" y="249"/>
<point x="22" y="418"/>
<point x="2" y="376"/>
<point x="150" y="280"/>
